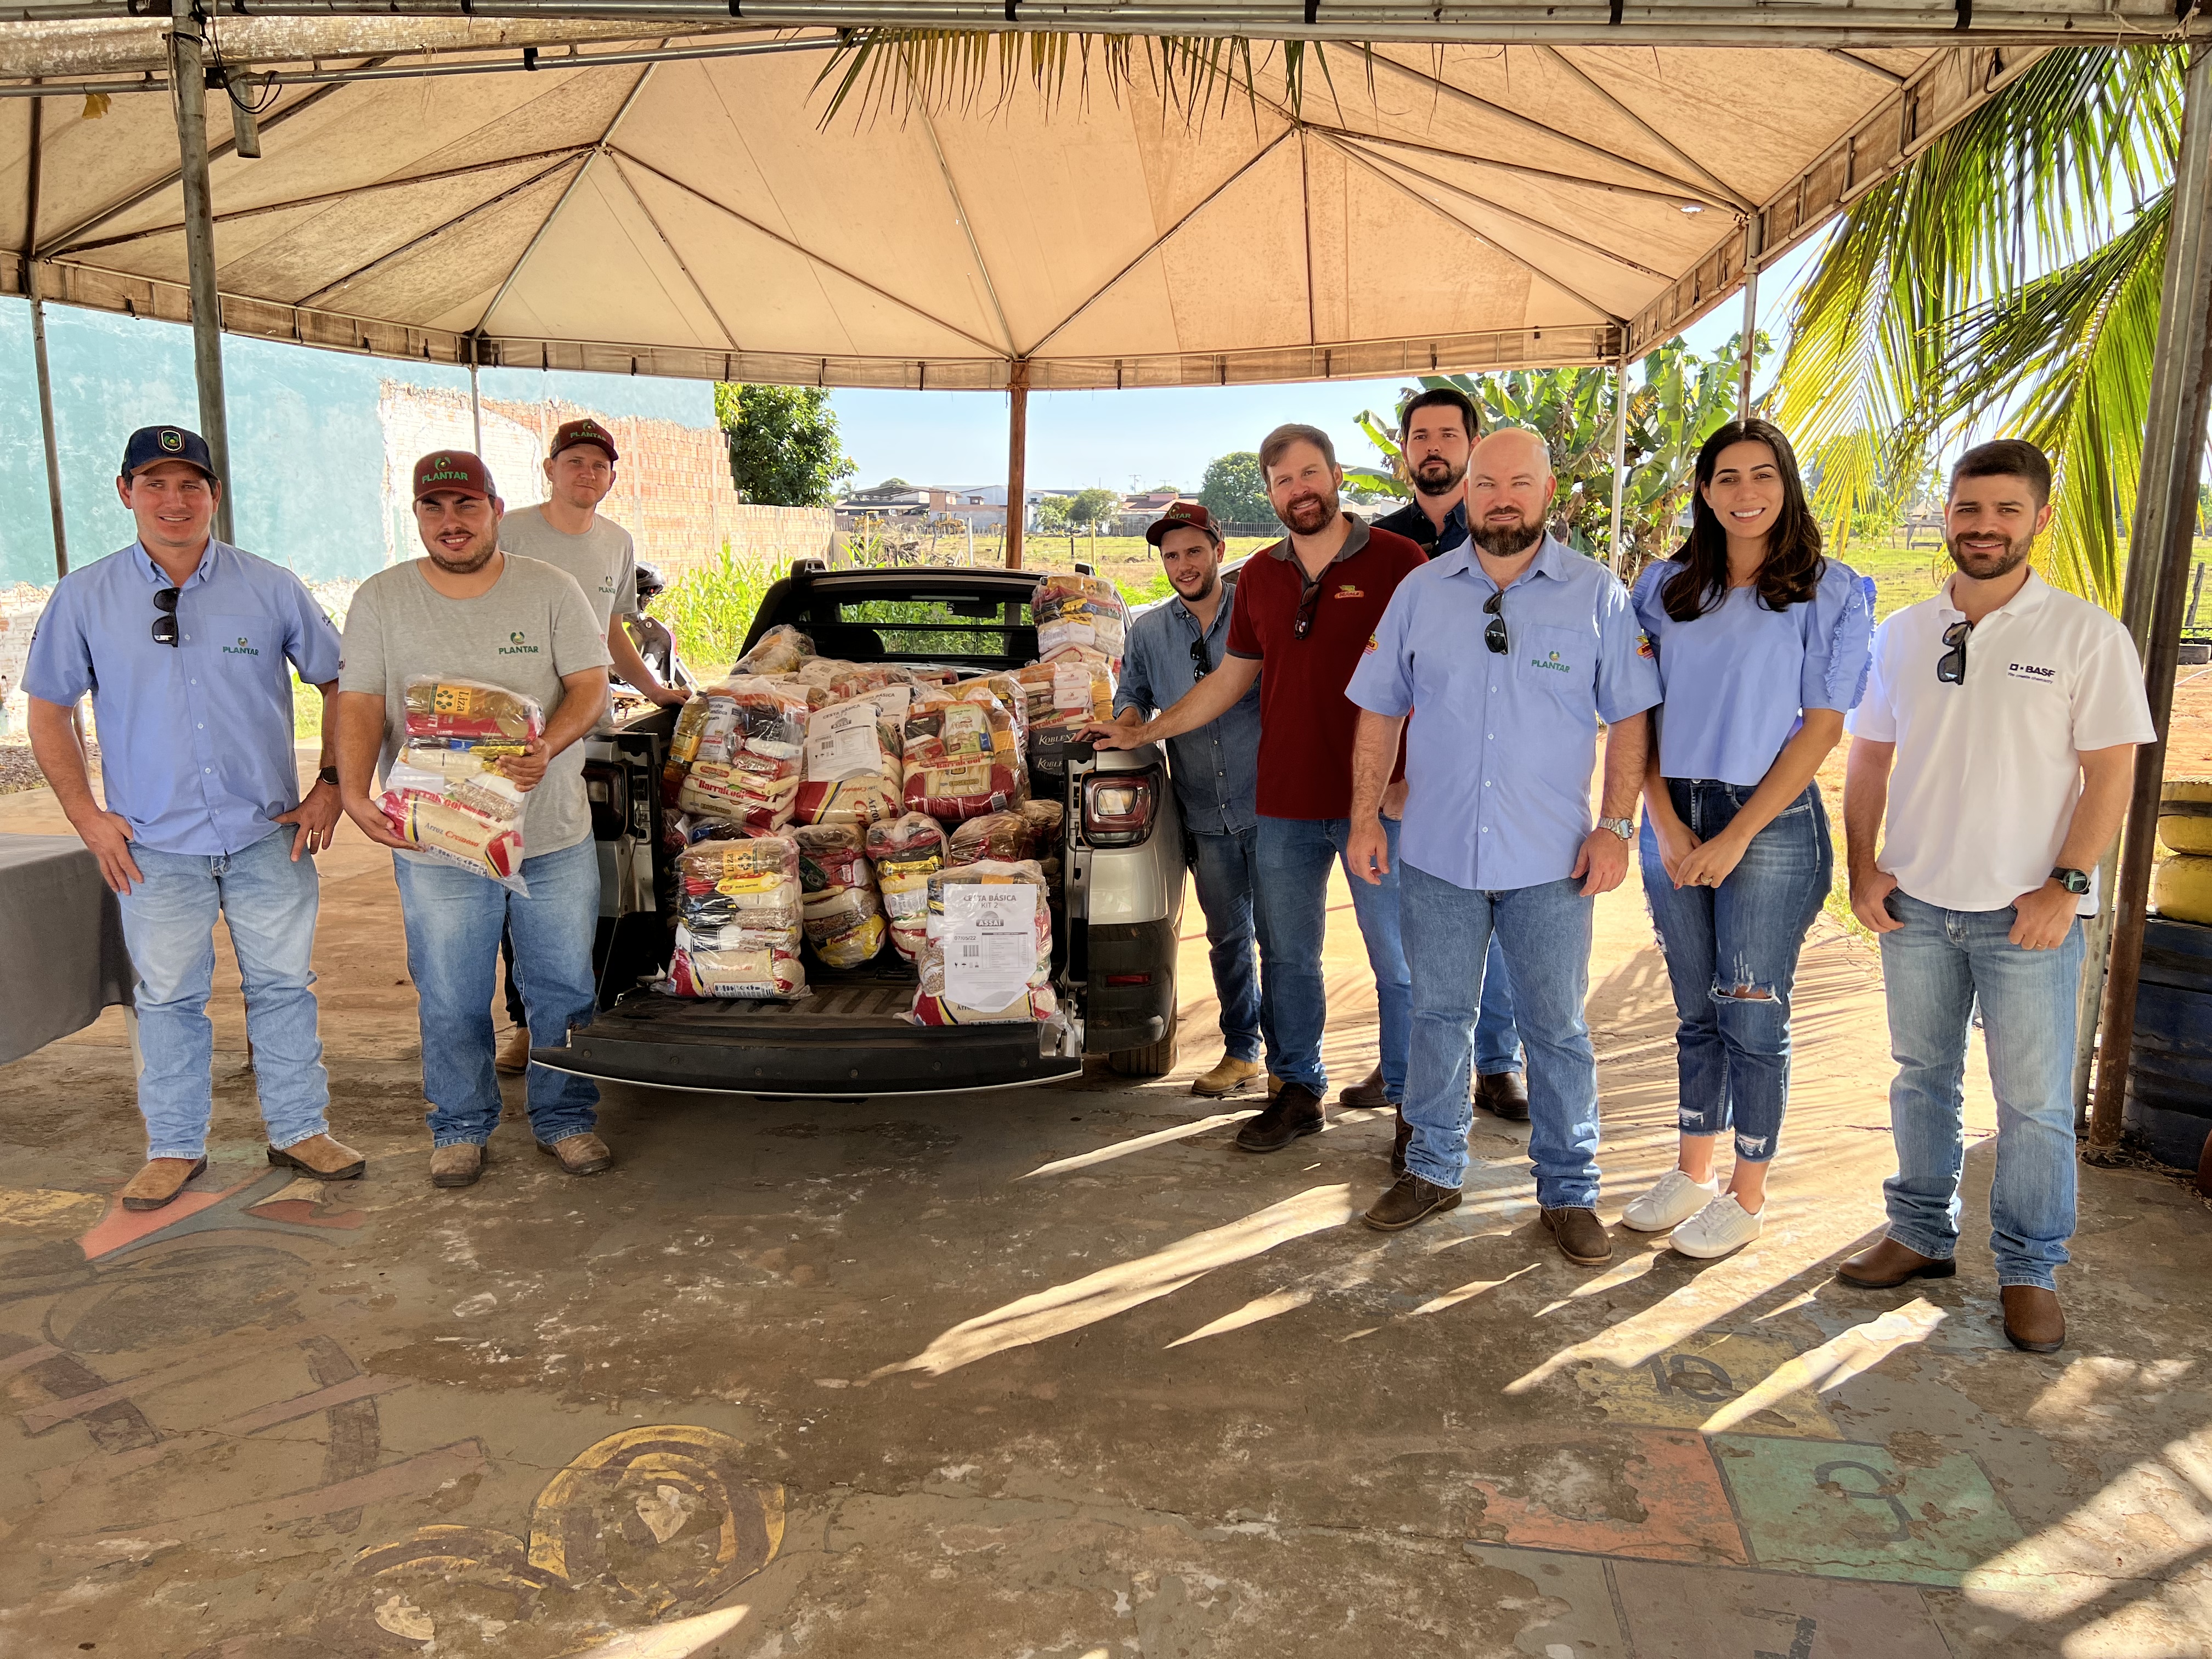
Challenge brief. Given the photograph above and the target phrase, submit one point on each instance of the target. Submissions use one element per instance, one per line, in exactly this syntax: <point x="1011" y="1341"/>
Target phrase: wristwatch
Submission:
<point x="329" y="774"/>
<point x="1625" y="827"/>
<point x="2074" y="881"/>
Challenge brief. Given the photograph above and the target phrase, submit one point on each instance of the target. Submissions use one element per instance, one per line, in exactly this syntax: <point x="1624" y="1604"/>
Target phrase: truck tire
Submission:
<point x="1154" y="1060"/>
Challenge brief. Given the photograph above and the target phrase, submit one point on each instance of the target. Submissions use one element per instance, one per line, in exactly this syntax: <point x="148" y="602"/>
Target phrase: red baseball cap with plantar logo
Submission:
<point x="569" y="434"/>
<point x="455" y="471"/>
<point x="1183" y="515"/>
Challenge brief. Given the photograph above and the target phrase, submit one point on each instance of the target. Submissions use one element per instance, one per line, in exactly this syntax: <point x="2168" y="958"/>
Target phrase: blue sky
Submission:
<point x="1134" y="439"/>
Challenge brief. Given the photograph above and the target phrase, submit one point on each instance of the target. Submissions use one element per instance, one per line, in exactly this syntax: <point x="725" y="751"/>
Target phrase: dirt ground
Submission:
<point x="1058" y="1372"/>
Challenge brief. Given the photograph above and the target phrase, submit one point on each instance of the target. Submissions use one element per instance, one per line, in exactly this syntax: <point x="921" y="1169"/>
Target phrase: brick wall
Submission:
<point x="673" y="490"/>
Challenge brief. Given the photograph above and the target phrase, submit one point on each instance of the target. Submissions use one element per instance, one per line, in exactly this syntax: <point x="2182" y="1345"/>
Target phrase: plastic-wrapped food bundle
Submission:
<point x="738" y="920"/>
<point x="1013" y="695"/>
<point x="779" y="651"/>
<point x="988" y="958"/>
<point x="1067" y="692"/>
<point x="841" y="909"/>
<point x="829" y="680"/>
<point x="963" y="753"/>
<point x="1075" y="610"/>
<point x="750" y="755"/>
<point x="854" y="768"/>
<point x="682" y="748"/>
<point x="444" y="793"/>
<point x="1005" y="837"/>
<point x="906" y="853"/>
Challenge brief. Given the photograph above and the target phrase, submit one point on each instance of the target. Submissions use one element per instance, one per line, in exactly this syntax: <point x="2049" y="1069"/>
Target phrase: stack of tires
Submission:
<point x="2169" y="1104"/>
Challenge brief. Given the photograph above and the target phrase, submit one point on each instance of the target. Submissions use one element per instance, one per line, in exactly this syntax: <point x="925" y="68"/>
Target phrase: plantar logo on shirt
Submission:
<point x="518" y="645"/>
<point x="241" y="649"/>
<point x="1551" y="661"/>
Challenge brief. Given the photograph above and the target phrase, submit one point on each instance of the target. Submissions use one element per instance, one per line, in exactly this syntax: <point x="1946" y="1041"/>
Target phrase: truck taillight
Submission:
<point x="1119" y="807"/>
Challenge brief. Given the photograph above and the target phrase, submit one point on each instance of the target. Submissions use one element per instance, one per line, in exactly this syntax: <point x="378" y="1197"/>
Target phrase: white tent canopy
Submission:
<point x="1438" y="207"/>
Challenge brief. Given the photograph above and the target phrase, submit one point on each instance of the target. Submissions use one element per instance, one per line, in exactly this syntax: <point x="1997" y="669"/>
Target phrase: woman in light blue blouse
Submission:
<point x="1763" y="646"/>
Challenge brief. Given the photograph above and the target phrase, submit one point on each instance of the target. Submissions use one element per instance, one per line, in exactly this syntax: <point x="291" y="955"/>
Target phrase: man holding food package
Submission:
<point x="470" y="679"/>
<point x="566" y="531"/>
<point x="187" y="645"/>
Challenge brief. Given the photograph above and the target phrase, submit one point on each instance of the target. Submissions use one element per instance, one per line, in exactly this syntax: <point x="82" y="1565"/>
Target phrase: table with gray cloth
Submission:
<point x="61" y="958"/>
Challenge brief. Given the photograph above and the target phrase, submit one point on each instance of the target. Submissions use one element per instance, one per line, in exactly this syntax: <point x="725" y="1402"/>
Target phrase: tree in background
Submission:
<point x="2006" y="283"/>
<point x="1682" y="398"/>
<point x="1234" y="491"/>
<point x="784" y="446"/>
<point x="1089" y="508"/>
<point x="1051" y="515"/>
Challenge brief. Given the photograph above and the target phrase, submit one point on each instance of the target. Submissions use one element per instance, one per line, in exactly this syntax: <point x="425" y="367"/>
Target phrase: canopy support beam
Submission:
<point x="1017" y="456"/>
<point x="2158" y="549"/>
<point x="45" y="378"/>
<point x="1620" y="458"/>
<point x="1748" y="357"/>
<point x="187" y="69"/>
<point x="476" y="402"/>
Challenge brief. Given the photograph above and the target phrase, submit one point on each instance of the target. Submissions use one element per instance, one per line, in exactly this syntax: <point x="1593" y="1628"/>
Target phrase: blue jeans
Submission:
<point x="268" y="904"/>
<point x="1732" y="953"/>
<point x="1223" y="868"/>
<point x="453" y="920"/>
<point x="1497" y="1042"/>
<point x="1293" y="903"/>
<point x="1933" y="968"/>
<point x="1546" y="933"/>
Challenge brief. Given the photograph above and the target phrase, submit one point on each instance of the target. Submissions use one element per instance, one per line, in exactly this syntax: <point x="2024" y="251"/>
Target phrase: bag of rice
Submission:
<point x="906" y="853"/>
<point x="750" y="753"/>
<point x="444" y="794"/>
<point x="738" y="920"/>
<point x="854" y="768"/>
<point x="841" y="909"/>
<point x="963" y="753"/>
<point x="988" y="958"/>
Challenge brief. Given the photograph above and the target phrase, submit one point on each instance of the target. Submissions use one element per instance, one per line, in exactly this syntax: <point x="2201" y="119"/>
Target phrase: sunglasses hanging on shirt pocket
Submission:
<point x="164" y="624"/>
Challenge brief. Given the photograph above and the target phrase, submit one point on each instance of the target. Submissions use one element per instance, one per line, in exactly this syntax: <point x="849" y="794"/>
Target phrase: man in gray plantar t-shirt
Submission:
<point x="471" y="611"/>
<point x="566" y="531"/>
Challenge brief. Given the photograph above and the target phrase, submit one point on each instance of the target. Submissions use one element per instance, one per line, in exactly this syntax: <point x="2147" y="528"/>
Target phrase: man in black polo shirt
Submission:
<point x="1436" y="431"/>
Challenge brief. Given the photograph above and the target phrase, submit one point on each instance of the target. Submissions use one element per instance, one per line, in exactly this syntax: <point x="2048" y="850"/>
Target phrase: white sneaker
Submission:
<point x="1669" y="1204"/>
<point x="1721" y="1228"/>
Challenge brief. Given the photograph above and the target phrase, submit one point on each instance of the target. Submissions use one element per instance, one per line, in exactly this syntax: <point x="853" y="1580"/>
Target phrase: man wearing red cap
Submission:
<point x="566" y="531"/>
<point x="469" y="610"/>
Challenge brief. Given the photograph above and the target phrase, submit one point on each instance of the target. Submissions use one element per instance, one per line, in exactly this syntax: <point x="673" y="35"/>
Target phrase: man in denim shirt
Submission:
<point x="1216" y="768"/>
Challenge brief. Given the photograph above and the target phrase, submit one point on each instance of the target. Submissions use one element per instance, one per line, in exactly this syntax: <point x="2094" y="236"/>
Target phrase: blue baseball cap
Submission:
<point x="150" y="444"/>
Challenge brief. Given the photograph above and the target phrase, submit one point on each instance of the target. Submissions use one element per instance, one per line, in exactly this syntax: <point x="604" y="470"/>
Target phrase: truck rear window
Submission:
<point x="946" y="627"/>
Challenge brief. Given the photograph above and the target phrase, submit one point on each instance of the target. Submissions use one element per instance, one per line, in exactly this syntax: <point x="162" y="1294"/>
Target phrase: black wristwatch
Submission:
<point x="329" y="774"/>
<point x="2074" y="881"/>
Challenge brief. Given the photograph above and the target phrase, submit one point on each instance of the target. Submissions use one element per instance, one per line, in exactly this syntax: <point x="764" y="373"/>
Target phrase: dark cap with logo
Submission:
<point x="1182" y="516"/>
<point x="454" y="470"/>
<point x="569" y="434"/>
<point x="150" y="444"/>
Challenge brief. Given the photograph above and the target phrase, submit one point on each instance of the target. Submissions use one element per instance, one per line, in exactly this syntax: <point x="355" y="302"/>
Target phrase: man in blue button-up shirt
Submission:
<point x="1216" y="769"/>
<point x="1507" y="653"/>
<point x="187" y="646"/>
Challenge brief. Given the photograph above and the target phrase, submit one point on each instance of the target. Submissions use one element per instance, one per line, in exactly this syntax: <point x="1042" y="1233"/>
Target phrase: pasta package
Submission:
<point x="855" y="760"/>
<point x="987" y="960"/>
<point x="738" y="920"/>
<point x="444" y="792"/>
<point x="1075" y="610"/>
<point x="842" y="912"/>
<point x="749" y="755"/>
<point x="962" y="754"/>
<point x="781" y="650"/>
<point x="906" y="852"/>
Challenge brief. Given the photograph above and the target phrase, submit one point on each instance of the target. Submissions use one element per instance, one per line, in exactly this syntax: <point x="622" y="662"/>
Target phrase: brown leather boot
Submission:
<point x="1503" y="1094"/>
<point x="160" y="1182"/>
<point x="2034" y="1320"/>
<point x="1399" y="1142"/>
<point x="1411" y="1199"/>
<point x="322" y="1158"/>
<point x="457" y="1165"/>
<point x="1889" y="1264"/>
<point x="1296" y="1111"/>
<point x="580" y="1154"/>
<point x="1581" y="1236"/>
<point x="1366" y="1092"/>
<point x="513" y="1053"/>
<point x="1228" y="1076"/>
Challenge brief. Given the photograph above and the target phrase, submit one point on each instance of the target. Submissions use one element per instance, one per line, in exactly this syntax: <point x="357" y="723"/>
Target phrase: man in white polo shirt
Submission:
<point x="1998" y="729"/>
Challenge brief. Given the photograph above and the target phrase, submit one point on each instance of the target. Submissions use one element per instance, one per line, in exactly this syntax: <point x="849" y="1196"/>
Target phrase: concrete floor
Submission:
<point x="1057" y="1372"/>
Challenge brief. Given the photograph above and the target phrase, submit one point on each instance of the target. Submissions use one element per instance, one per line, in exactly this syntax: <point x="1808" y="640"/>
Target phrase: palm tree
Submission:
<point x="2006" y="282"/>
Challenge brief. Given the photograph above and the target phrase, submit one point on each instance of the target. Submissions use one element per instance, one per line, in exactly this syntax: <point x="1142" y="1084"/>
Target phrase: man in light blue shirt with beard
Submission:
<point x="1506" y="653"/>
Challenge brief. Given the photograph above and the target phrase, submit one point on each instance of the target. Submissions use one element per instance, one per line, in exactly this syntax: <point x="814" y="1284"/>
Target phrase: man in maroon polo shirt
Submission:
<point x="1305" y="609"/>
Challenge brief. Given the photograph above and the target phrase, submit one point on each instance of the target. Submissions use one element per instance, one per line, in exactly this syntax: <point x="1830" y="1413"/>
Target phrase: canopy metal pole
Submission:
<point x="1749" y="355"/>
<point x="2159" y="553"/>
<point x="1017" y="445"/>
<point x="188" y="75"/>
<point x="45" y="378"/>
<point x="1620" y="457"/>
<point x="475" y="399"/>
